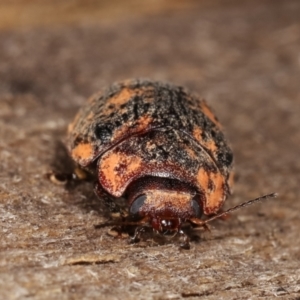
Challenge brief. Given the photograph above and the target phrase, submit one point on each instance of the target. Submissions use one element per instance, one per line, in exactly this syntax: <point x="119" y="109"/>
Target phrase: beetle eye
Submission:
<point x="196" y="208"/>
<point x="137" y="204"/>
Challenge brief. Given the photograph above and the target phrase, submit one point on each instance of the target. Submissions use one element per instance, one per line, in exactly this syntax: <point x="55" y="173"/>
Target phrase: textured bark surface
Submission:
<point x="244" y="59"/>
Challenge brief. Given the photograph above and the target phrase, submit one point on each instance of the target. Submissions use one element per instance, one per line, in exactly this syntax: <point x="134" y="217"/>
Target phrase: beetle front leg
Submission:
<point x="109" y="201"/>
<point x="186" y="240"/>
<point x="137" y="235"/>
<point x="69" y="179"/>
<point x="200" y="223"/>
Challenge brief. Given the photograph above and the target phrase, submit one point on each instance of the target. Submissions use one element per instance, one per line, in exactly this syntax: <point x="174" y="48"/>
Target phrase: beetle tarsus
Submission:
<point x="206" y="227"/>
<point x="137" y="235"/>
<point x="185" y="245"/>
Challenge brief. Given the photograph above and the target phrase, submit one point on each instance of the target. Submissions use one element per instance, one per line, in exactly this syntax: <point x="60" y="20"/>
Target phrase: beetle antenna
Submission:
<point x="217" y="216"/>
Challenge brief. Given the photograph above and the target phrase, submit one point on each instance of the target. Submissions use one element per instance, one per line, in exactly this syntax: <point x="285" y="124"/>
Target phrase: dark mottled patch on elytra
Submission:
<point x="226" y="158"/>
<point x="103" y="131"/>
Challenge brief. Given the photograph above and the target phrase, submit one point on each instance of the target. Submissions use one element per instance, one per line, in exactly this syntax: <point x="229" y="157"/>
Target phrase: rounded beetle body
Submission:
<point x="157" y="145"/>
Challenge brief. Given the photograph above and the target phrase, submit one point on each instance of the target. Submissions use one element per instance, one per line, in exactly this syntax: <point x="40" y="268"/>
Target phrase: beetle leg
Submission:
<point x="200" y="223"/>
<point x="197" y="222"/>
<point x="118" y="232"/>
<point x="80" y="174"/>
<point x="108" y="200"/>
<point x="206" y="228"/>
<point x="69" y="178"/>
<point x="137" y="235"/>
<point x="59" y="178"/>
<point x="186" y="240"/>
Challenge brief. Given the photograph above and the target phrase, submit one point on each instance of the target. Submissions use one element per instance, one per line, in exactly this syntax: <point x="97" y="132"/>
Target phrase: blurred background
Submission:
<point x="29" y="13"/>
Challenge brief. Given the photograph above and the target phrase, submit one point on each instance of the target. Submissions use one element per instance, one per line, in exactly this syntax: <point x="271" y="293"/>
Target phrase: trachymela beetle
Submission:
<point x="159" y="147"/>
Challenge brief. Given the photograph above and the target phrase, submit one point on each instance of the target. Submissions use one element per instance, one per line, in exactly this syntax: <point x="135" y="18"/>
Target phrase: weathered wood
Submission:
<point x="244" y="60"/>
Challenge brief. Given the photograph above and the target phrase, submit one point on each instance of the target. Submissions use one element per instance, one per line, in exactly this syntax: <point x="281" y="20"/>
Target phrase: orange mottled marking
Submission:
<point x="211" y="145"/>
<point x="197" y="134"/>
<point x="208" y="144"/>
<point x="115" y="169"/>
<point x="192" y="154"/>
<point x="214" y="196"/>
<point x="207" y="111"/>
<point x="122" y="97"/>
<point x="126" y="93"/>
<point x="82" y="152"/>
<point x="142" y="125"/>
<point x="203" y="179"/>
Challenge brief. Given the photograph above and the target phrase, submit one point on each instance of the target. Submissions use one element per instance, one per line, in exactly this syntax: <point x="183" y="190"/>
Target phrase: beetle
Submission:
<point x="158" y="146"/>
